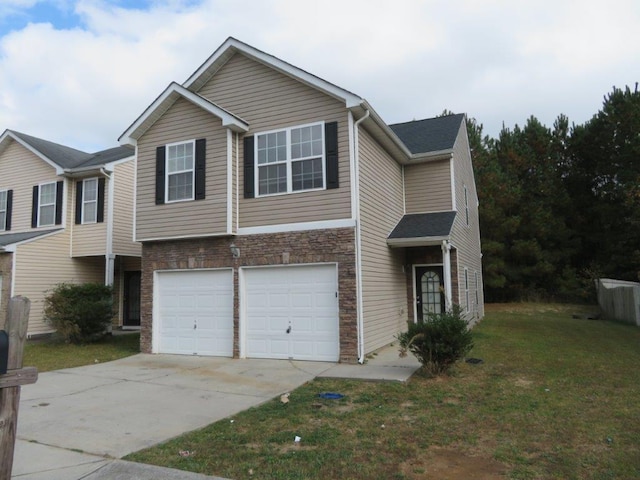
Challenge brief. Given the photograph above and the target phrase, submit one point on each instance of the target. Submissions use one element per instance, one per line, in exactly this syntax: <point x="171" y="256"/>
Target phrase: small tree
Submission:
<point x="80" y="313"/>
<point x="439" y="341"/>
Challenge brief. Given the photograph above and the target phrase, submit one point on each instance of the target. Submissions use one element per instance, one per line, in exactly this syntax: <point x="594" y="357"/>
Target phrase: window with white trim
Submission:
<point x="180" y="171"/>
<point x="4" y="195"/>
<point x="90" y="200"/>
<point x="47" y="204"/>
<point x="290" y="160"/>
<point x="466" y="289"/>
<point x="466" y="205"/>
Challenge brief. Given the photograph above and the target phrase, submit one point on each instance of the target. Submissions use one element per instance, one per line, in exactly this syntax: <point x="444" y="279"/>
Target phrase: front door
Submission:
<point x="131" y="300"/>
<point x="429" y="291"/>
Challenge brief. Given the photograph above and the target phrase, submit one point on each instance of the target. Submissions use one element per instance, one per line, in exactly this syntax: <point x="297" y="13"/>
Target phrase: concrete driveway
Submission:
<point x="74" y="422"/>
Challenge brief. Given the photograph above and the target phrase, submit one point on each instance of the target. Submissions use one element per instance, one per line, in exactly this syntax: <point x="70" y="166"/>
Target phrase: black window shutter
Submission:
<point x="59" y="191"/>
<point x="331" y="154"/>
<point x="249" y="168"/>
<point x="7" y="223"/>
<point x="34" y="206"/>
<point x="79" y="185"/>
<point x="100" y="211"/>
<point x="160" y="169"/>
<point x="201" y="160"/>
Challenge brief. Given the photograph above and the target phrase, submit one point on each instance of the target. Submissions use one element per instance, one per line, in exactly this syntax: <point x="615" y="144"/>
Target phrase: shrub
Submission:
<point x="80" y="313"/>
<point x="439" y="341"/>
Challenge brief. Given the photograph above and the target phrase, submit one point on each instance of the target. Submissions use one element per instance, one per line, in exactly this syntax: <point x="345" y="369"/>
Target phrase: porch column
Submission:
<point x="109" y="269"/>
<point x="446" y="263"/>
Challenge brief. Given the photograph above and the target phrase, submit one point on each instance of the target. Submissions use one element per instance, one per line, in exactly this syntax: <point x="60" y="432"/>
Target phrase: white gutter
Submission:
<point x="359" y="239"/>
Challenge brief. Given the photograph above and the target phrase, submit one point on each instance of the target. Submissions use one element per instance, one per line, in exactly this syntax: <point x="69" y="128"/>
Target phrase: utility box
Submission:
<point x="4" y="351"/>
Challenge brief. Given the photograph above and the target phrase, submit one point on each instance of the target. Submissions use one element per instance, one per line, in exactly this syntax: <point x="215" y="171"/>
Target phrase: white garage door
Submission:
<point x="195" y="312"/>
<point x="292" y="312"/>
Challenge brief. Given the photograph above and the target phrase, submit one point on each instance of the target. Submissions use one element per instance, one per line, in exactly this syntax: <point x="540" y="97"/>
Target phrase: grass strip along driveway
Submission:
<point x="555" y="397"/>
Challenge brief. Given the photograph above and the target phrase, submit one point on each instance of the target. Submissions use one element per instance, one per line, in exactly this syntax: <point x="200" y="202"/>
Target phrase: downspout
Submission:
<point x="360" y="316"/>
<point x="110" y="257"/>
<point x="446" y="263"/>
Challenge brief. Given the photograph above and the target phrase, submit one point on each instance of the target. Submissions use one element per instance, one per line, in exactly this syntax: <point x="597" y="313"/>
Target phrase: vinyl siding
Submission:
<point x="124" y="177"/>
<point x="428" y="187"/>
<point x="383" y="281"/>
<point x="466" y="238"/>
<point x="20" y="170"/>
<point x="182" y="122"/>
<point x="91" y="238"/>
<point x="5" y="284"/>
<point x="269" y="100"/>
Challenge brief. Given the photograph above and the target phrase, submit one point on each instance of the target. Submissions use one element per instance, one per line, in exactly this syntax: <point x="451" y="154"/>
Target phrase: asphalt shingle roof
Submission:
<point x="421" y="225"/>
<point x="429" y="135"/>
<point x="69" y="158"/>
<point x="11" y="238"/>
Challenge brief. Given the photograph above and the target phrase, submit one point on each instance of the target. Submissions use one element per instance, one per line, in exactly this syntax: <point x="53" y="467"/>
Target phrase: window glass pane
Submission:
<point x="272" y="147"/>
<point x="47" y="215"/>
<point x="3" y="219"/>
<point x="306" y="142"/>
<point x="180" y="157"/>
<point x="47" y="193"/>
<point x="90" y="190"/>
<point x="307" y="174"/>
<point x="180" y="186"/>
<point x="3" y="200"/>
<point x="89" y="211"/>
<point x="272" y="179"/>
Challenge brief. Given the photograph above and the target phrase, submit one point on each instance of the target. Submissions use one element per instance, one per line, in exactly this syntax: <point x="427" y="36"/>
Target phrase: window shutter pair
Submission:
<point x="331" y="160"/>
<point x="200" y="171"/>
<point x="35" y="201"/>
<point x="100" y="212"/>
<point x="7" y="223"/>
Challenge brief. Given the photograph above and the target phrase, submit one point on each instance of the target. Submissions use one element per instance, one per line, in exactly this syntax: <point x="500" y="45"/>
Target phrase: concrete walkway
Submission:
<point x="77" y="423"/>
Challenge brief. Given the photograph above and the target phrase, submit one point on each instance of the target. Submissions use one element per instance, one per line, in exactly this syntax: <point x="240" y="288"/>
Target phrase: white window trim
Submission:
<point x="466" y="205"/>
<point x="289" y="161"/>
<point x="192" y="170"/>
<point x="84" y="202"/>
<point x="3" y="225"/>
<point x="466" y="289"/>
<point x="40" y="204"/>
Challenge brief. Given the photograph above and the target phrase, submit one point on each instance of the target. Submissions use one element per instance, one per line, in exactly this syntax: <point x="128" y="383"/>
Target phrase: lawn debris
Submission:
<point x="284" y="398"/>
<point x="186" y="453"/>
<point x="297" y="439"/>
<point x="474" y="361"/>
<point x="331" y="395"/>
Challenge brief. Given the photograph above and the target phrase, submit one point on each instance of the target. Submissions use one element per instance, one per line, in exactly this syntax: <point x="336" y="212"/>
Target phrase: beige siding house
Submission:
<point x="281" y="217"/>
<point x="66" y="216"/>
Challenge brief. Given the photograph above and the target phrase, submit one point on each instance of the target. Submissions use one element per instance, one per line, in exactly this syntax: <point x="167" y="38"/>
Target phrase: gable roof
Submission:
<point x="416" y="229"/>
<point x="61" y="157"/>
<point x="165" y="100"/>
<point x="430" y="135"/>
<point x="9" y="239"/>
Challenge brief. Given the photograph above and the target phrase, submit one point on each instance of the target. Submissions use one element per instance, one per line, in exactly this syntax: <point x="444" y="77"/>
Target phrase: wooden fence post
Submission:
<point x="16" y="328"/>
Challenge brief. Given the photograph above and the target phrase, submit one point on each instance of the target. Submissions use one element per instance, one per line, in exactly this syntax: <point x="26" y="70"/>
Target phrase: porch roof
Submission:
<point x="421" y="229"/>
<point x="8" y="239"/>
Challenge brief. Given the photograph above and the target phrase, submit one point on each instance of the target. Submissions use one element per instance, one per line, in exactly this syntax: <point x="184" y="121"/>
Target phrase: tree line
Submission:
<point x="560" y="206"/>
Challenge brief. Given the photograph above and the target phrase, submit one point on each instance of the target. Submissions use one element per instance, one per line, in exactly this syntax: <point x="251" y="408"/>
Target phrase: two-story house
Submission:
<point x="281" y="217"/>
<point x="66" y="216"/>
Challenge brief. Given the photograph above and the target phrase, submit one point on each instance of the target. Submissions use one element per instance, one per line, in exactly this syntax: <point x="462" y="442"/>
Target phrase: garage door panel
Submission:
<point x="200" y="299"/>
<point x="300" y="297"/>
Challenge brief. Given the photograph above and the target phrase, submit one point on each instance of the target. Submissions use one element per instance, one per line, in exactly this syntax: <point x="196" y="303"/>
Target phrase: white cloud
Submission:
<point x="495" y="60"/>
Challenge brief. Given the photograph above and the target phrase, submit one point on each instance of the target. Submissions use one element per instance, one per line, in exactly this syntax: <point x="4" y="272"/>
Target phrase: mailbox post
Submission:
<point x="14" y="337"/>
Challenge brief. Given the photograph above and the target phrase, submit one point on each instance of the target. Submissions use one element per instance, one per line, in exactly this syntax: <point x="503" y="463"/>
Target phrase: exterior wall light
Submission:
<point x="235" y="251"/>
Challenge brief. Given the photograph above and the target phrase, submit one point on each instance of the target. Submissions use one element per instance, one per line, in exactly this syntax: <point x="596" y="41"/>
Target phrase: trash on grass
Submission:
<point x="186" y="453"/>
<point x="284" y="398"/>
<point x="297" y="439"/>
<point x="331" y="395"/>
<point x="474" y="361"/>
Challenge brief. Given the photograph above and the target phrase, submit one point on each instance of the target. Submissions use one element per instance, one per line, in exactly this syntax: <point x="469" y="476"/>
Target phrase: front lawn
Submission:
<point x="556" y="397"/>
<point x="53" y="354"/>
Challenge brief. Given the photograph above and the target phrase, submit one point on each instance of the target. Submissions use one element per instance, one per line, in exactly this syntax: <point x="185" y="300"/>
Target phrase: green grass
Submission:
<point x="555" y="397"/>
<point x="54" y="354"/>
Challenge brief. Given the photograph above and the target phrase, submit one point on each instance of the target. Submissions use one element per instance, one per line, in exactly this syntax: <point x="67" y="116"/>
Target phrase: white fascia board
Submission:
<point x="298" y="227"/>
<point x="416" y="242"/>
<point x="164" y="102"/>
<point x="9" y="135"/>
<point x="231" y="45"/>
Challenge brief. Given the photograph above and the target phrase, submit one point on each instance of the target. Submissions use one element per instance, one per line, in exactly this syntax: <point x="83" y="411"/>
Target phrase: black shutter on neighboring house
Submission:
<point x="160" y="170"/>
<point x="331" y="153"/>
<point x="249" y="168"/>
<point x="100" y="205"/>
<point x="7" y="223"/>
<point x="59" y="192"/>
<point x="79" y="185"/>
<point x="34" y="206"/>
<point x="201" y="160"/>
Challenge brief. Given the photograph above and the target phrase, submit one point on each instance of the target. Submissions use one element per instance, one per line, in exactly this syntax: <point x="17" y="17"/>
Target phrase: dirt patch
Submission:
<point x="446" y="464"/>
<point x="523" y="382"/>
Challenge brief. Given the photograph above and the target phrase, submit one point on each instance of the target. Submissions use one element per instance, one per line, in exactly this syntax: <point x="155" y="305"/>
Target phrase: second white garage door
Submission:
<point x="194" y="312"/>
<point x="292" y="312"/>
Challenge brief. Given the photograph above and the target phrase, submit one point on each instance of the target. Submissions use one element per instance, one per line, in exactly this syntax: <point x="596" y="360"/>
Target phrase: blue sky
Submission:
<point x="79" y="72"/>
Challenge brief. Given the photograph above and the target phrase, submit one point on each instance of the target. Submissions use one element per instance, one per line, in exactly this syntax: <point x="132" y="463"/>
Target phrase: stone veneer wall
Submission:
<point x="6" y="263"/>
<point x="312" y="246"/>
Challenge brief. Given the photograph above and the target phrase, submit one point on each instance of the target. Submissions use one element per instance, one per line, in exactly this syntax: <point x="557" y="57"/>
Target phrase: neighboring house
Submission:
<point x="280" y="217"/>
<point x="66" y="216"/>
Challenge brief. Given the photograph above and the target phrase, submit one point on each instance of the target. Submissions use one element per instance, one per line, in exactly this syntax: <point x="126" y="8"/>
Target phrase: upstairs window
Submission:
<point x="466" y="205"/>
<point x="290" y="160"/>
<point x="47" y="205"/>
<point x="4" y="213"/>
<point x="180" y="171"/>
<point x="90" y="200"/>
